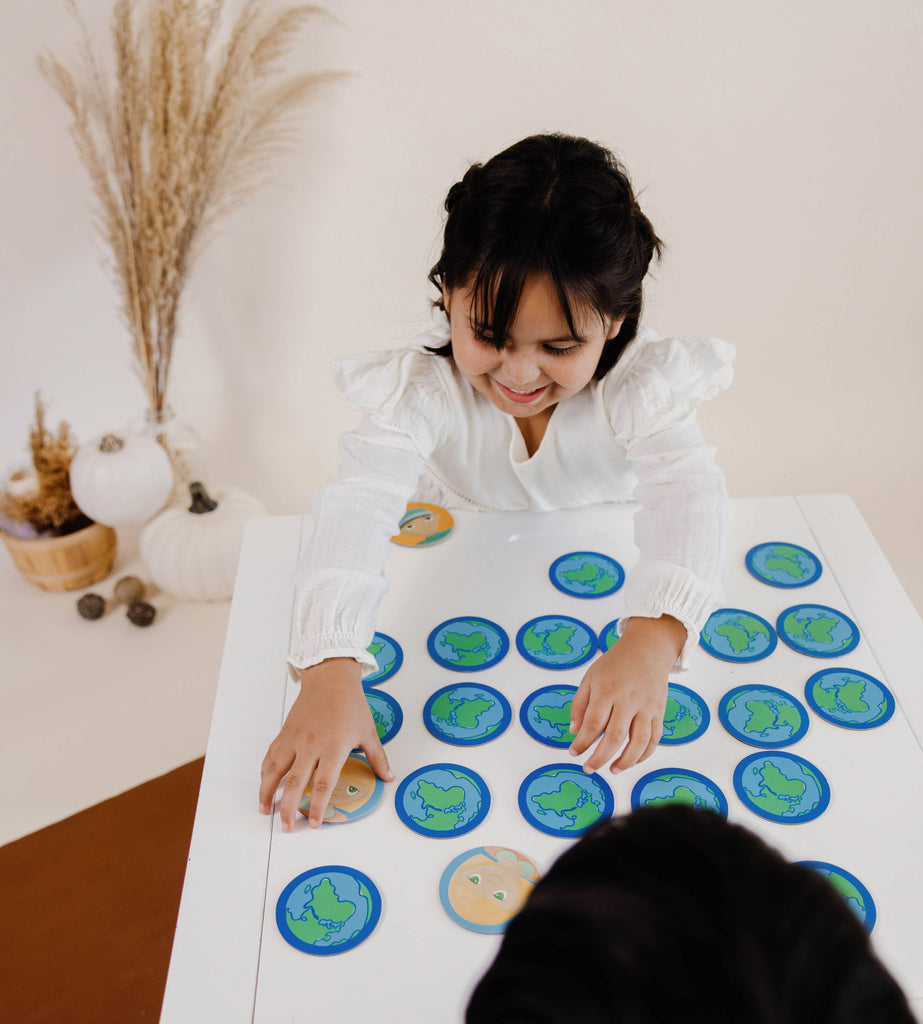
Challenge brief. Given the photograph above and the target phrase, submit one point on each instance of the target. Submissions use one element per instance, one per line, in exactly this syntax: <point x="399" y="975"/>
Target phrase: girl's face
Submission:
<point x="540" y="362"/>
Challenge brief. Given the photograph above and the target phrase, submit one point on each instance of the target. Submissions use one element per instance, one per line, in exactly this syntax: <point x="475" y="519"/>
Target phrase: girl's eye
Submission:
<point x="500" y="895"/>
<point x="551" y="350"/>
<point x="352" y="790"/>
<point x="474" y="879"/>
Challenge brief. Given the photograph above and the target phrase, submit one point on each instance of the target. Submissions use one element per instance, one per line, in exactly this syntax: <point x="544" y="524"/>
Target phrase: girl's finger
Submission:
<point x="594" y="722"/>
<point x="608" y="745"/>
<point x="578" y="706"/>
<point x="296" y="782"/>
<point x="377" y="758"/>
<point x="656" y="733"/>
<point x="638" y="740"/>
<point x="272" y="769"/>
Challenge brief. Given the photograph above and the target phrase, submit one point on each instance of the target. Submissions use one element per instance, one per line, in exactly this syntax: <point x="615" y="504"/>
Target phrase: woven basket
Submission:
<point x="65" y="563"/>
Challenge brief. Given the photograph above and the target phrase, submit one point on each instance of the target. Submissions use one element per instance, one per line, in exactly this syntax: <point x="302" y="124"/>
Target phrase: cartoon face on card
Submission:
<point x="423" y="525"/>
<point x="485" y="888"/>
<point x="355" y="794"/>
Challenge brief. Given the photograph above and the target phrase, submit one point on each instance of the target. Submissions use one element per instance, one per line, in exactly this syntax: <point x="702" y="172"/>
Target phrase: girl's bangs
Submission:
<point x="497" y="290"/>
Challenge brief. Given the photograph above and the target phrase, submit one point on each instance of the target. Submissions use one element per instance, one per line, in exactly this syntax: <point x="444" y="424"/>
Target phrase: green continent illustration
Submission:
<point x="558" y="719"/>
<point x="845" y="888"/>
<point x="471" y="649"/>
<point x="443" y="807"/>
<point x="766" y="714"/>
<point x="843" y="696"/>
<point x="778" y="793"/>
<point x="375" y="648"/>
<point x="741" y="633"/>
<point x="785" y="559"/>
<point x="818" y="630"/>
<point x="381" y="725"/>
<point x="592" y="575"/>
<point x="680" y="795"/>
<point x="682" y="724"/>
<point x="550" y="641"/>
<point x="463" y="712"/>
<point x="572" y="802"/>
<point x="324" y="915"/>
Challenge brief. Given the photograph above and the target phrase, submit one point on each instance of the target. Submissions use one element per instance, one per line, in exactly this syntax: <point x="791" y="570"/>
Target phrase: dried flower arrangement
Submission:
<point x="47" y="507"/>
<point x="176" y="141"/>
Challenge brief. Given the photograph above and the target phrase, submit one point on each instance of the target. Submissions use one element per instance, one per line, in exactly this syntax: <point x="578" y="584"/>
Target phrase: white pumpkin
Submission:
<point x="116" y="480"/>
<point x="192" y="552"/>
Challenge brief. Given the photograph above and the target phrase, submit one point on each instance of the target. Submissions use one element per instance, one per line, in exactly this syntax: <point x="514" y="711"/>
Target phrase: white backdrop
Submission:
<point x="776" y="148"/>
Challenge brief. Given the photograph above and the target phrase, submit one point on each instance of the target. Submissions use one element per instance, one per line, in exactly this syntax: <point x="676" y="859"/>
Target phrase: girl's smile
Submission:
<point x="538" y="364"/>
<point x="522" y="397"/>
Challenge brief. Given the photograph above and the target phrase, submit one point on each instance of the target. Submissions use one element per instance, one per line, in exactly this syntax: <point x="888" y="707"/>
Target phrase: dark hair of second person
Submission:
<point x="672" y="914"/>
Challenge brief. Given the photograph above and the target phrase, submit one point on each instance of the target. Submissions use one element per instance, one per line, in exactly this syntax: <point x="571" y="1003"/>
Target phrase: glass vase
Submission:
<point x="184" y="446"/>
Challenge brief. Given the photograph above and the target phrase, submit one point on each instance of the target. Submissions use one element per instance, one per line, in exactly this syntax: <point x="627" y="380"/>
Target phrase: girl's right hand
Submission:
<point x="330" y="717"/>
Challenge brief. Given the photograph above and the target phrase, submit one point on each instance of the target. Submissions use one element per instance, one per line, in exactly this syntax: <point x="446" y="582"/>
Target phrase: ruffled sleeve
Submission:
<point x="339" y="583"/>
<point x="403" y="391"/>
<point x="663" y="381"/>
<point x="681" y="525"/>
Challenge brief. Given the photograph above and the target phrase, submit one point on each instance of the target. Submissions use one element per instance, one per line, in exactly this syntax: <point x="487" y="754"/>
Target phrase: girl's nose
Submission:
<point x="520" y="365"/>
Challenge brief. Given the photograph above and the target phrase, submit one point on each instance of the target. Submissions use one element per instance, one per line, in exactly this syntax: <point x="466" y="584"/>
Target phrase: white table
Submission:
<point x="229" y="961"/>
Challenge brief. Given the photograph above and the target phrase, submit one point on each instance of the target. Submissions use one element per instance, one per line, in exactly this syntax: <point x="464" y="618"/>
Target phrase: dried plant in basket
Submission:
<point x="173" y="138"/>
<point x="47" y="506"/>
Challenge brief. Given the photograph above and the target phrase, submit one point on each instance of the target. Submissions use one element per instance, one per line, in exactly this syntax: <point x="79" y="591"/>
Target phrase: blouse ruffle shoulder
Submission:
<point x="659" y="381"/>
<point x="407" y="390"/>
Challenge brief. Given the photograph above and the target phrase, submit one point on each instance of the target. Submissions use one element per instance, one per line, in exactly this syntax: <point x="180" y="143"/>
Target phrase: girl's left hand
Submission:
<point x="624" y="693"/>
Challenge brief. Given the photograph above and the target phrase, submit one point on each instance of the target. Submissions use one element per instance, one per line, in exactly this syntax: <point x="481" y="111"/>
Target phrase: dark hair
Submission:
<point x="672" y="914"/>
<point x="551" y="204"/>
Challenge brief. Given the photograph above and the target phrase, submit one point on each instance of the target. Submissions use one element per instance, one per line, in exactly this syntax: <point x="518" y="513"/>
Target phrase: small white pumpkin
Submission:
<point x="117" y="480"/>
<point x="192" y="553"/>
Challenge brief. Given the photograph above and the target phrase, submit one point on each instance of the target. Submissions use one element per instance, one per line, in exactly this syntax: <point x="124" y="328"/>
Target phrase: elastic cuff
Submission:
<point x="661" y="588"/>
<point x="298" y="661"/>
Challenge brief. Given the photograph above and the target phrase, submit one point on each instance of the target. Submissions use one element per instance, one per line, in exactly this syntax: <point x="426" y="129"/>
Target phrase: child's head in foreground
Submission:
<point x="553" y="209"/>
<point x="672" y="914"/>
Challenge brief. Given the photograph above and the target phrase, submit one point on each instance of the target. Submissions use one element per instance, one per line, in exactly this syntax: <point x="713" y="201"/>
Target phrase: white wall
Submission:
<point x="777" y="147"/>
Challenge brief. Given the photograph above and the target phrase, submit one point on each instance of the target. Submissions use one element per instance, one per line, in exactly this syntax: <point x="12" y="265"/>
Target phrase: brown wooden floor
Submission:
<point x="88" y="907"/>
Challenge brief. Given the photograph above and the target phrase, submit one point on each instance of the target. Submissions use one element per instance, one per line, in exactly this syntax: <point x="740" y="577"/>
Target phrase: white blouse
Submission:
<point x="428" y="435"/>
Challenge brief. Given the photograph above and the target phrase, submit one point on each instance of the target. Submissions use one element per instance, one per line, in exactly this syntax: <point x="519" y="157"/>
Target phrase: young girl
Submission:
<point x="538" y="389"/>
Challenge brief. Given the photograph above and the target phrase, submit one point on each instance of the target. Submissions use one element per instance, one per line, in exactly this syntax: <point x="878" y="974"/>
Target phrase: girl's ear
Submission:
<point x="615" y="328"/>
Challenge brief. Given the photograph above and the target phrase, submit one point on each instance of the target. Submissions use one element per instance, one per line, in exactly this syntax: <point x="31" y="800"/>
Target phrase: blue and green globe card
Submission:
<point x="442" y="800"/>
<point x="678" y="786"/>
<point x="586" y="574"/>
<point x="545" y="715"/>
<point x="562" y="800"/>
<point x="763" y="716"/>
<point x="818" y="631"/>
<point x="387" y="652"/>
<point x="685" y="717"/>
<point x="466" y="714"/>
<point x="781" y="786"/>
<point x="849" y="698"/>
<point x="858" y="898"/>
<point x="328" y="910"/>
<point x="468" y="644"/>
<point x="556" y="642"/>
<point x="783" y="565"/>
<point x="732" y="634"/>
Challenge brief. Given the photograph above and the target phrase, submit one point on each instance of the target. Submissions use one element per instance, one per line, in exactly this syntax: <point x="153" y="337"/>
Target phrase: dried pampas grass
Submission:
<point x="173" y="138"/>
